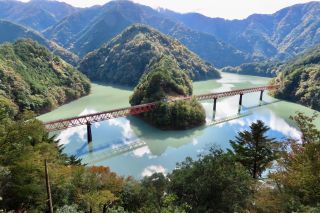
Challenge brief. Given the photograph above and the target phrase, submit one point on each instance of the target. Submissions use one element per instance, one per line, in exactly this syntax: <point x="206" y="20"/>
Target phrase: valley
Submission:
<point x="123" y="107"/>
<point x="156" y="147"/>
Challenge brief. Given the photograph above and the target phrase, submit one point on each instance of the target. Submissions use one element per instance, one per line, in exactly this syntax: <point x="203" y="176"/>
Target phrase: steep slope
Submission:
<point x="88" y="29"/>
<point x="264" y="69"/>
<point x="32" y="78"/>
<point x="166" y="81"/>
<point x="37" y="14"/>
<point x="300" y="80"/>
<point x="283" y="34"/>
<point x="10" y="32"/>
<point x="128" y="56"/>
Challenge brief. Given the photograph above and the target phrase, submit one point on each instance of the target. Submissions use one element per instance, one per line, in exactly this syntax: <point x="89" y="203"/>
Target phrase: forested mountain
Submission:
<point x="33" y="78"/>
<point x="129" y="55"/>
<point x="10" y="32"/>
<point x="282" y="34"/>
<point x="300" y="80"/>
<point x="37" y="14"/>
<point x="88" y="29"/>
<point x="263" y="69"/>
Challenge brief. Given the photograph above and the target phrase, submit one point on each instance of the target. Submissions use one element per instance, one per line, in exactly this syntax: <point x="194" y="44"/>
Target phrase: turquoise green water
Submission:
<point x="131" y="147"/>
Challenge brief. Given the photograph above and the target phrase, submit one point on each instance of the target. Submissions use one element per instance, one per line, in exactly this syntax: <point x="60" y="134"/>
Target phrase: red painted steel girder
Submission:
<point x="97" y="117"/>
<point x="135" y="110"/>
<point x="235" y="92"/>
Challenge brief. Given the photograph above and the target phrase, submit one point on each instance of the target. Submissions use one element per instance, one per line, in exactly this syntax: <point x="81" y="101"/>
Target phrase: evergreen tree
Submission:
<point x="254" y="150"/>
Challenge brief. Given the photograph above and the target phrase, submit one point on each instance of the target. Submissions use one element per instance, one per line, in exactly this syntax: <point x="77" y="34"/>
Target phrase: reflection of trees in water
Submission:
<point x="142" y="134"/>
<point x="159" y="140"/>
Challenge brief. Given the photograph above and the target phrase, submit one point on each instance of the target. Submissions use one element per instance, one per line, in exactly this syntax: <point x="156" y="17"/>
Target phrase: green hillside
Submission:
<point x="11" y="32"/>
<point x="300" y="80"/>
<point x="128" y="56"/>
<point x="264" y="69"/>
<point x="33" y="78"/>
<point x="164" y="82"/>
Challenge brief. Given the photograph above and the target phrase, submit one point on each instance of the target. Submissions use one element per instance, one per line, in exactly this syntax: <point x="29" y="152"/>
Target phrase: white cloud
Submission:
<point x="81" y="131"/>
<point x="140" y="152"/>
<point x="153" y="169"/>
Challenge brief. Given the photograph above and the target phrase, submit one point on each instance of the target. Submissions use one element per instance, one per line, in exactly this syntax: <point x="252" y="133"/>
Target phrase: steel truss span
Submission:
<point x="135" y="110"/>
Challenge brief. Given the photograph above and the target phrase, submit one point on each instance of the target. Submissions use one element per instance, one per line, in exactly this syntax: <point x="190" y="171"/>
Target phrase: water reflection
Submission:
<point x="132" y="147"/>
<point x="148" y="171"/>
<point x="145" y="149"/>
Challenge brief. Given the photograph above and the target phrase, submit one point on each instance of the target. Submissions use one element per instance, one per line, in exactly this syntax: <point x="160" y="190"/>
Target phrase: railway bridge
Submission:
<point x="138" y="109"/>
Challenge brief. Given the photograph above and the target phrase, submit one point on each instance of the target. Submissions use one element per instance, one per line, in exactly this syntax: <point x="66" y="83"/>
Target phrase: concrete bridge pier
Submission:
<point x="89" y="133"/>
<point x="261" y="96"/>
<point x="240" y="103"/>
<point x="214" y="107"/>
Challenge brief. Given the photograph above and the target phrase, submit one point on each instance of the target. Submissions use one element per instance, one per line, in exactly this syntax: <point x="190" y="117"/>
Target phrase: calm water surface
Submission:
<point x="131" y="147"/>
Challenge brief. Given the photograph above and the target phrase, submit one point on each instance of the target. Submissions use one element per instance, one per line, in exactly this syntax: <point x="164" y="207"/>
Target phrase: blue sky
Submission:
<point x="229" y="9"/>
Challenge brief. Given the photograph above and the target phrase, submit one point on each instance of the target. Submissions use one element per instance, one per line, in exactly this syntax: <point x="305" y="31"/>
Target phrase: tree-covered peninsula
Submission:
<point x="127" y="57"/>
<point x="163" y="82"/>
<point x="32" y="78"/>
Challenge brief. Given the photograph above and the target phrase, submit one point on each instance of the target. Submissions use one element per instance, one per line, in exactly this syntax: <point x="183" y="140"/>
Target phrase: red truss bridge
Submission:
<point x="135" y="110"/>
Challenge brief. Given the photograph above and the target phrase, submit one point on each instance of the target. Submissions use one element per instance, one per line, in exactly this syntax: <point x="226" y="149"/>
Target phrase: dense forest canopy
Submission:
<point x="127" y="57"/>
<point x="300" y="79"/>
<point x="164" y="82"/>
<point x="217" y="181"/>
<point x="264" y="69"/>
<point x="34" y="79"/>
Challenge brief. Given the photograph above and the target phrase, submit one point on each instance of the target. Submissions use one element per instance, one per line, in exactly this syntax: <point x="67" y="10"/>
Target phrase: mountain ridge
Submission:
<point x="262" y="35"/>
<point x="110" y="19"/>
<point x="136" y="49"/>
<point x="37" y="15"/>
<point x="11" y="32"/>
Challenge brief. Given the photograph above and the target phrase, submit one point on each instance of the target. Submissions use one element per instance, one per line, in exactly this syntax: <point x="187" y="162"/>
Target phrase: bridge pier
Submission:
<point x="89" y="133"/>
<point x="240" y="103"/>
<point x="261" y="96"/>
<point x="214" y="107"/>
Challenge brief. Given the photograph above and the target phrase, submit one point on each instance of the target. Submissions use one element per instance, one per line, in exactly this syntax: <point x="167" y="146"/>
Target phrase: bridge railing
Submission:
<point x="135" y="110"/>
<point x="235" y="92"/>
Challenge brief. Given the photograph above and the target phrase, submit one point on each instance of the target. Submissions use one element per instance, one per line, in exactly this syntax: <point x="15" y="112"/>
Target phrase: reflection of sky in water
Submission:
<point x="131" y="147"/>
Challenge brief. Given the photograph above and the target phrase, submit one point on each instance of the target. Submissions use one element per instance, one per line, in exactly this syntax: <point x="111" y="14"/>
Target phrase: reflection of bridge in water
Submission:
<point x="135" y="110"/>
<point x="106" y="152"/>
<point x="228" y="118"/>
<point x="113" y="152"/>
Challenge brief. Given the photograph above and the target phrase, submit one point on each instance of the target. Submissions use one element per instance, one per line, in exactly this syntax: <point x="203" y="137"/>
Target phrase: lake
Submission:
<point x="131" y="147"/>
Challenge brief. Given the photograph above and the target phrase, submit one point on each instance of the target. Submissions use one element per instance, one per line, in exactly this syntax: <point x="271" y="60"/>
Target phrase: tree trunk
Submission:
<point x="255" y="169"/>
<point x="104" y="208"/>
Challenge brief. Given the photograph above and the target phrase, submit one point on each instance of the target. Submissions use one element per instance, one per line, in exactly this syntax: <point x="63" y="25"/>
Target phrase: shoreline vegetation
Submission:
<point x="219" y="180"/>
<point x="163" y="82"/>
<point x="34" y="79"/>
<point x="159" y="61"/>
